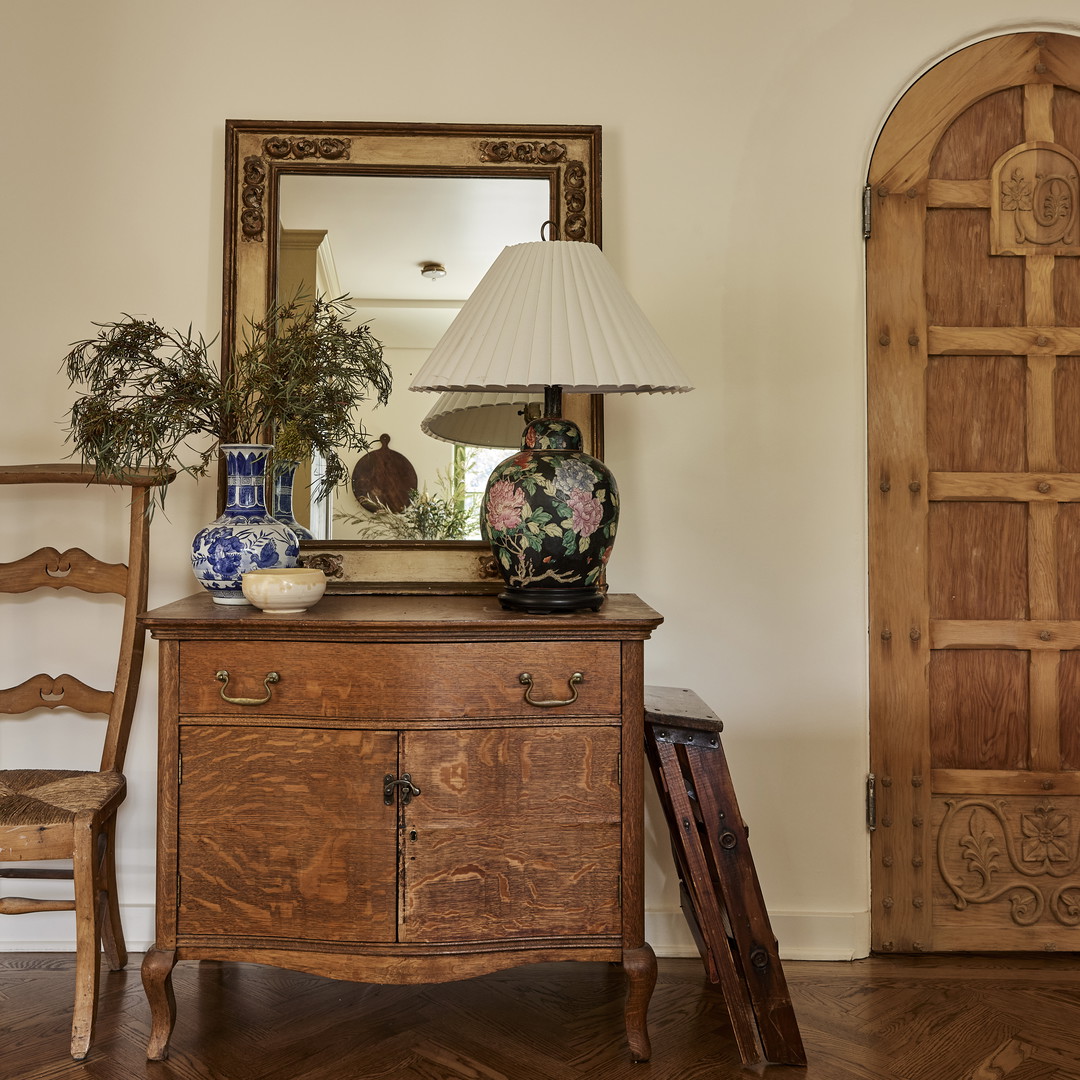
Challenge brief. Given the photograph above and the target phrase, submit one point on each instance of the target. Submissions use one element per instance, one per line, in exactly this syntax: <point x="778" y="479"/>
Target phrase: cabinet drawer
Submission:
<point x="400" y="681"/>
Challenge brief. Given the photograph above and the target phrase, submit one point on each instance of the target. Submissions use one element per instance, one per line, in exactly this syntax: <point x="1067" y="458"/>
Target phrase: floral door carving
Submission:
<point x="973" y="306"/>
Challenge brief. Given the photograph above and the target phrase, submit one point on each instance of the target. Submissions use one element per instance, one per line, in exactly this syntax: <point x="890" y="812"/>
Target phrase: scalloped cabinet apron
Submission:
<point x="973" y="321"/>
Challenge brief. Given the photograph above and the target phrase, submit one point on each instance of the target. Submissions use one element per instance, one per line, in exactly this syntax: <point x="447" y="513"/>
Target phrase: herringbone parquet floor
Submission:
<point x="930" y="1018"/>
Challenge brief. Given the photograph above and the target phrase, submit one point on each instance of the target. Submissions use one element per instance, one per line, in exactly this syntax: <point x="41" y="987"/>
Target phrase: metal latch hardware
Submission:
<point x="409" y="789"/>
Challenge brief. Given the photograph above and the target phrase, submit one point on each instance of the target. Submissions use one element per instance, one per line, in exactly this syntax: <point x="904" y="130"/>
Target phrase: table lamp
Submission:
<point x="551" y="316"/>
<point x="478" y="419"/>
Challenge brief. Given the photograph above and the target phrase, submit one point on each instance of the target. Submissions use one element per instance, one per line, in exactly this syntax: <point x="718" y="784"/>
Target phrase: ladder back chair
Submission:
<point x="60" y="814"/>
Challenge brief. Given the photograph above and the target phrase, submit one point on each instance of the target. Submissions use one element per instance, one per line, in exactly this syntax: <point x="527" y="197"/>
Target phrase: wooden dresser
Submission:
<point x="400" y="789"/>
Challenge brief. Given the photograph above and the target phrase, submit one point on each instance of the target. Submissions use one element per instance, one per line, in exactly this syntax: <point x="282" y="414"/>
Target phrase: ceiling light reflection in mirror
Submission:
<point x="369" y="237"/>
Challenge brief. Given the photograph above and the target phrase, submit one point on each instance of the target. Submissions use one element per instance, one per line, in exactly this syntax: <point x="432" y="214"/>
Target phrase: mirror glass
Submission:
<point x="359" y="208"/>
<point x="371" y="238"/>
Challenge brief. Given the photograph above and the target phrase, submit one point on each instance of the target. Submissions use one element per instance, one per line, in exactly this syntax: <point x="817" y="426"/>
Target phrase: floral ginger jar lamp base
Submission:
<point x="245" y="537"/>
<point x="550" y="513"/>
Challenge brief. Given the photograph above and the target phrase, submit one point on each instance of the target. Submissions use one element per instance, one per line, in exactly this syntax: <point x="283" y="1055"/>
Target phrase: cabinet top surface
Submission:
<point x="336" y="616"/>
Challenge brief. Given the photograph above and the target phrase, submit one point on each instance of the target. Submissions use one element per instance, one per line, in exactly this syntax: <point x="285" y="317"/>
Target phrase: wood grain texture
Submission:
<point x="1039" y="291"/>
<point x="1042" y="559"/>
<point x="974" y="147"/>
<point x="1065" y="116"/>
<point x="1008" y="870"/>
<point x="1067" y="552"/>
<point x="1044" y="734"/>
<point x="62" y="816"/>
<point x="906" y="145"/>
<point x="1068" y="674"/>
<point x="1005" y="782"/>
<point x="975" y="419"/>
<point x="1038" y="113"/>
<point x="398" y="681"/>
<point x="54" y="692"/>
<point x="1032" y="635"/>
<point x="632" y="776"/>
<point x="516" y="834"/>
<point x="302" y="810"/>
<point x="1041" y="414"/>
<point x="509" y="882"/>
<point x="397" y="810"/>
<point x="957" y="253"/>
<point x="883" y="1018"/>
<point x="1019" y="340"/>
<point x="395" y="618"/>
<point x="1066" y="285"/>
<point x="978" y="560"/>
<point x="718" y="883"/>
<point x="899" y="601"/>
<point x="707" y="918"/>
<point x="1066" y="406"/>
<point x="980" y="134"/>
<point x="1025" y="487"/>
<point x="73" y="568"/>
<point x="979" y="709"/>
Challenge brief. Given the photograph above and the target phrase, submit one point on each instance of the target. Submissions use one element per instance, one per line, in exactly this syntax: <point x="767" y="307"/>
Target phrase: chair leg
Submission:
<point x="112" y="932"/>
<point x="87" y="936"/>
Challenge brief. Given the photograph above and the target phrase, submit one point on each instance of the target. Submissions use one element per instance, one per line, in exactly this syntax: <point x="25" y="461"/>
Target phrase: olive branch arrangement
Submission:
<point x="447" y="514"/>
<point x="297" y="379"/>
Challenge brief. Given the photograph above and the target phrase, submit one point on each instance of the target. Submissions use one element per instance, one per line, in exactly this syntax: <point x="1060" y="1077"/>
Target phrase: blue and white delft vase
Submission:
<point x="284" y="471"/>
<point x="245" y="537"/>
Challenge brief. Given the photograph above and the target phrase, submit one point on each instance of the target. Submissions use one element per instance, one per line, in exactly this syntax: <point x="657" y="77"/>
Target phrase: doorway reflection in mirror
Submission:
<point x="369" y="237"/>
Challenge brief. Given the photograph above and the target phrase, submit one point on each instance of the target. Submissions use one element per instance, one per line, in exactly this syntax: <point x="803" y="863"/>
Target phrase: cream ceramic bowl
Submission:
<point x="284" y="589"/>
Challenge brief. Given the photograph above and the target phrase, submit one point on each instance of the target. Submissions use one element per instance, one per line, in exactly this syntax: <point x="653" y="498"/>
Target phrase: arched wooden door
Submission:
<point x="973" y="272"/>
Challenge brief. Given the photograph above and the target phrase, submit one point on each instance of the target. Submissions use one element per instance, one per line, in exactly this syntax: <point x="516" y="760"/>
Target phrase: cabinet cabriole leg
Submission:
<point x="640" y="968"/>
<point x="157" y="968"/>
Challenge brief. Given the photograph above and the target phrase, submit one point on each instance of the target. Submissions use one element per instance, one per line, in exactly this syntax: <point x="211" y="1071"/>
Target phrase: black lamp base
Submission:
<point x="551" y="601"/>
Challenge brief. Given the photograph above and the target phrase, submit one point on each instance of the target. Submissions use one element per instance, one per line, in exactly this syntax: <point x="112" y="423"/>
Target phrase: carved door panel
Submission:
<point x="974" y="473"/>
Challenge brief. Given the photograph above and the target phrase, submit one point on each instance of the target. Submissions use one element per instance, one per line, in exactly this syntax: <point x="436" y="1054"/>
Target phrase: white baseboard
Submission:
<point x="814" y="935"/>
<point x="810" y="935"/>
<point x="54" y="931"/>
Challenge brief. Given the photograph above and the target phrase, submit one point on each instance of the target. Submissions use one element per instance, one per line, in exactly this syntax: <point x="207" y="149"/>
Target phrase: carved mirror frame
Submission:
<point x="259" y="152"/>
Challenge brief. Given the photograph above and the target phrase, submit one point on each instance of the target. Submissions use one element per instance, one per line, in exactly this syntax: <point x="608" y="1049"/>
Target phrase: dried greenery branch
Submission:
<point x="448" y="515"/>
<point x="298" y="379"/>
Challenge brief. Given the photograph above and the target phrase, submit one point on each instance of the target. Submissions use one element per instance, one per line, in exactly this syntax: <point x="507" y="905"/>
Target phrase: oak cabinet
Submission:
<point x="400" y="789"/>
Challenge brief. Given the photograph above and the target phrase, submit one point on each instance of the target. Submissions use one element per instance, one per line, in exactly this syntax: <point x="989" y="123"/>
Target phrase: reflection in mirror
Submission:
<point x="263" y="158"/>
<point x="371" y="238"/>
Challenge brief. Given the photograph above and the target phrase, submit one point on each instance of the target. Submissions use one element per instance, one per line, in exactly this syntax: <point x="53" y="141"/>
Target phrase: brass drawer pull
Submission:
<point x="223" y="678"/>
<point x="526" y="680"/>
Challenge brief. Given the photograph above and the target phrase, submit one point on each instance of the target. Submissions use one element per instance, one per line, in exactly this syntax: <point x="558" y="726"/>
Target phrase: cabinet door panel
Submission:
<point x="284" y="834"/>
<point x="516" y="833"/>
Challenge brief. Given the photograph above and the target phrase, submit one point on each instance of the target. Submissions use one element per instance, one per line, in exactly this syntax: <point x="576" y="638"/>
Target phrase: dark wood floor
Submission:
<point x="929" y="1018"/>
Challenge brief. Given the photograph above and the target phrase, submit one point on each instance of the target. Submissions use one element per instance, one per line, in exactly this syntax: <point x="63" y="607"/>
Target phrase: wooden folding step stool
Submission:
<point x="721" y="897"/>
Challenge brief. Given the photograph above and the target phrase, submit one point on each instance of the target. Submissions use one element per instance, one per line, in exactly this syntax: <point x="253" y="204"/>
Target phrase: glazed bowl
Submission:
<point x="281" y="590"/>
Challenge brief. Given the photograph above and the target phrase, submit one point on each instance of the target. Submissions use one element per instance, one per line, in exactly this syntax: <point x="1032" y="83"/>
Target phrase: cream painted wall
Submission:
<point x="736" y="139"/>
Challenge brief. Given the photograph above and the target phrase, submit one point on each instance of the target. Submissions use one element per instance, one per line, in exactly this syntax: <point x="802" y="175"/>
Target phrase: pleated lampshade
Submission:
<point x="551" y="317"/>
<point x="551" y="313"/>
<point x="479" y="419"/>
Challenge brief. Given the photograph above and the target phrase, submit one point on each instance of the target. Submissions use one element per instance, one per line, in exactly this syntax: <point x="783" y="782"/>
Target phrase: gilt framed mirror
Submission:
<point x="403" y="219"/>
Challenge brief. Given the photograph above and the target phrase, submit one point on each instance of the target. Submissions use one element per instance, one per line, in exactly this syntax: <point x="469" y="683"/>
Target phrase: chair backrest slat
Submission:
<point x="74" y="569"/>
<point x="59" y="692"/>
<point x="50" y="568"/>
